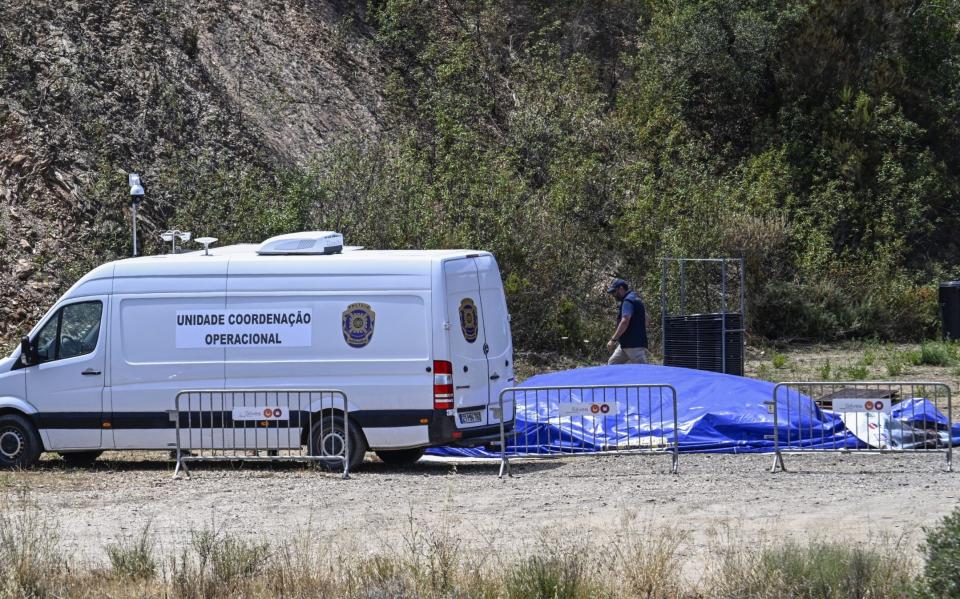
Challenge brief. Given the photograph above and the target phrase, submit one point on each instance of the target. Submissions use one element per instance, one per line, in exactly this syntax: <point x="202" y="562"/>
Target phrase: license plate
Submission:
<point x="470" y="418"/>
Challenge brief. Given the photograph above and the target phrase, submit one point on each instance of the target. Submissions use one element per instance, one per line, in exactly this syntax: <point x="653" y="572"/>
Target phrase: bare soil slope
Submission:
<point x="89" y="90"/>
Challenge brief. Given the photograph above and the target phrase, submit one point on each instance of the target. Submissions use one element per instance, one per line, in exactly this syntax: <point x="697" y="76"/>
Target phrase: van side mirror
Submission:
<point x="26" y="352"/>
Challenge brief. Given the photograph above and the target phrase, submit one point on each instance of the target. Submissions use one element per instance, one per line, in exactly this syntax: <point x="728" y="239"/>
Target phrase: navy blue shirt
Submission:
<point x="636" y="333"/>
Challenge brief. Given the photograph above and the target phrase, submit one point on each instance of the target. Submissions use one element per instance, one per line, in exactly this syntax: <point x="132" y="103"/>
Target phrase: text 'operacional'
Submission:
<point x="244" y="328"/>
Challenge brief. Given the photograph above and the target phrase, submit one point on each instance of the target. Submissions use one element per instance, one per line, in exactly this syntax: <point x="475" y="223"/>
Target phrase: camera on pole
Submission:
<point x="136" y="196"/>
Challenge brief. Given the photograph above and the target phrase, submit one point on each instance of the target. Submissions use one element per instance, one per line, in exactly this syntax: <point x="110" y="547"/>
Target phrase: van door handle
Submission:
<point x="90" y="372"/>
<point x="494" y="377"/>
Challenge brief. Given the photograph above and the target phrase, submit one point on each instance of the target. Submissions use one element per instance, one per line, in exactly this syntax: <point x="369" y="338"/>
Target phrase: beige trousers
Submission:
<point x="628" y="355"/>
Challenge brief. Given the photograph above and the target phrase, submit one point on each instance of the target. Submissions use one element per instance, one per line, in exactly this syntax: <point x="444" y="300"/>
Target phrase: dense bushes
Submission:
<point x="580" y="139"/>
<point x="941" y="572"/>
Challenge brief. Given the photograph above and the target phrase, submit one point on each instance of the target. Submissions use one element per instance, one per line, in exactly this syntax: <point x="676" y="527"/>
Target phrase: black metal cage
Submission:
<point x="703" y="314"/>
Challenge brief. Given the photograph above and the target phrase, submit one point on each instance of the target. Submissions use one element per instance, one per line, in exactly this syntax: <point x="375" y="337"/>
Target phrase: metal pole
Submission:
<point x="743" y="319"/>
<point x="683" y="288"/>
<point x="504" y="460"/>
<point x="723" y="317"/>
<point x="133" y="206"/>
<point x="663" y="312"/>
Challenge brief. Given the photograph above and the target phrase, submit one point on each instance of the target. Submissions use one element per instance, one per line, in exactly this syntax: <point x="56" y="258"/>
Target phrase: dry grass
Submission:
<point x="867" y="360"/>
<point x="814" y="569"/>
<point x="431" y="564"/>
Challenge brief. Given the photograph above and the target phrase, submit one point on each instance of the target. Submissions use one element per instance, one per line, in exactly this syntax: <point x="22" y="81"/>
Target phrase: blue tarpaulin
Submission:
<point x="715" y="413"/>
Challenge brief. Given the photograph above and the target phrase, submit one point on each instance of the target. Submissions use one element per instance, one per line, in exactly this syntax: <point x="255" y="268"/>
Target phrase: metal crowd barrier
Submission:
<point x="862" y="417"/>
<point x="260" y="425"/>
<point x="589" y="420"/>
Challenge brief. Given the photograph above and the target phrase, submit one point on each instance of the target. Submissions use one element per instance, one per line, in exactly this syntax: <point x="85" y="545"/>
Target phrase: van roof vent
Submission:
<point x="307" y="243"/>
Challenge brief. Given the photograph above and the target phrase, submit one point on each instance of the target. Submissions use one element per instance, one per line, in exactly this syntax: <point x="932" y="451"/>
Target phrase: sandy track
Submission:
<point x="596" y="499"/>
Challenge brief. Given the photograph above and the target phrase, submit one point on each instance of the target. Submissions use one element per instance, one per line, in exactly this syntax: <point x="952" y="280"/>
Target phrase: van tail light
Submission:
<point x="442" y="385"/>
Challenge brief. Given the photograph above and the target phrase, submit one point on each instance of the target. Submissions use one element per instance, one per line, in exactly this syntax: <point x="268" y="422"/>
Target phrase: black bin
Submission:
<point x="950" y="309"/>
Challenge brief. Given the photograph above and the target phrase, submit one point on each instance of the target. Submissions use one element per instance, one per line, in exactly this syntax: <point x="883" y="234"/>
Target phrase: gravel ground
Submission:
<point x="596" y="499"/>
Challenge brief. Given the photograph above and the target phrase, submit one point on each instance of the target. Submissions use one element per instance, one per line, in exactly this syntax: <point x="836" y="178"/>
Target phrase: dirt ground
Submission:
<point x="596" y="499"/>
<point x="715" y="501"/>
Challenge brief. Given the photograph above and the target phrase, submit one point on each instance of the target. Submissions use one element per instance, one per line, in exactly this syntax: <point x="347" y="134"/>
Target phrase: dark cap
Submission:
<point x="617" y="283"/>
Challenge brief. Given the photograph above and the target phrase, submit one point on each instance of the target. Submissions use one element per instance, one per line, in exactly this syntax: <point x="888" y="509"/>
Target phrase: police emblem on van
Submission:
<point x="469" y="323"/>
<point x="358" y="321"/>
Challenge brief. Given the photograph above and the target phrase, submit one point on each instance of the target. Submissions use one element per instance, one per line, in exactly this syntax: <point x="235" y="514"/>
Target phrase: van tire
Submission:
<point x="327" y="436"/>
<point x="20" y="446"/>
<point x="81" y="459"/>
<point x="400" y="457"/>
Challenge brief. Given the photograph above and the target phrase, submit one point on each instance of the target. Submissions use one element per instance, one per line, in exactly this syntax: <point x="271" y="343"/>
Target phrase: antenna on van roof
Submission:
<point x="206" y="242"/>
<point x="173" y="235"/>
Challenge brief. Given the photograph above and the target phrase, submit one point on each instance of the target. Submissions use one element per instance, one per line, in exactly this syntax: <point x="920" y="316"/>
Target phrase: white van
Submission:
<point x="418" y="340"/>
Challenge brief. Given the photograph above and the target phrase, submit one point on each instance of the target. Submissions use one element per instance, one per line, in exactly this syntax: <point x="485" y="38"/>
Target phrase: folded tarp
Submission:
<point x="715" y="413"/>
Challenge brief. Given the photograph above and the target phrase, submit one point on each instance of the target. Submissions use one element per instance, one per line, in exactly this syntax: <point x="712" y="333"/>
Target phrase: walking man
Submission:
<point x="630" y="337"/>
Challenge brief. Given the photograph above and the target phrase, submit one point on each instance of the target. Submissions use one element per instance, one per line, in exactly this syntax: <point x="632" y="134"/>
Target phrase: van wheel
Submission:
<point x="19" y="443"/>
<point x="400" y="457"/>
<point x="328" y="439"/>
<point x="80" y="459"/>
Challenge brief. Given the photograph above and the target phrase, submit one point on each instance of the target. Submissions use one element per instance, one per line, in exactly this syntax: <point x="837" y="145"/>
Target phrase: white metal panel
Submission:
<point x="148" y="370"/>
<point x="98" y="281"/>
<point x="496" y="326"/>
<point x="146" y="373"/>
<point x="69" y="392"/>
<point x="470" y="374"/>
<point x="389" y="437"/>
<point x="170" y="275"/>
<point x="389" y="373"/>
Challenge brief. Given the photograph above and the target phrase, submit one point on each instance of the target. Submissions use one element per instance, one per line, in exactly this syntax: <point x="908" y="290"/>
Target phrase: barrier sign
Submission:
<point x="589" y="409"/>
<point x="842" y="404"/>
<point x="260" y="413"/>
<point x="244" y="328"/>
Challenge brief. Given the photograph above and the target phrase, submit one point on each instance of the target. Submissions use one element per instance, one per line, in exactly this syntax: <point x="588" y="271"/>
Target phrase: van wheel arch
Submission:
<point x="20" y="443"/>
<point x="29" y="418"/>
<point x="319" y="415"/>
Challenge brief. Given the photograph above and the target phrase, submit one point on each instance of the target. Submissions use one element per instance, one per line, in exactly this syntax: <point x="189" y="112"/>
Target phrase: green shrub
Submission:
<point x="855" y="372"/>
<point x="134" y="558"/>
<point x="815" y="570"/>
<point x="551" y="574"/>
<point x="234" y="558"/>
<point x="941" y="550"/>
<point x="835" y="570"/>
<point x="778" y="360"/>
<point x="894" y="367"/>
<point x="912" y="357"/>
<point x="764" y="373"/>
<point x="936" y="353"/>
<point x="31" y="561"/>
<point x="825" y="371"/>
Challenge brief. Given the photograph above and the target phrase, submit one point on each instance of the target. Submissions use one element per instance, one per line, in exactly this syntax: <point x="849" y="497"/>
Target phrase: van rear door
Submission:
<point x="466" y="342"/>
<point x="478" y="330"/>
<point x="495" y="319"/>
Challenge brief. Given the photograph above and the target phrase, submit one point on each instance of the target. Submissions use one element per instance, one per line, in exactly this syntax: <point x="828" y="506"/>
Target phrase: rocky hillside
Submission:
<point x="90" y="90"/>
<point x="577" y="139"/>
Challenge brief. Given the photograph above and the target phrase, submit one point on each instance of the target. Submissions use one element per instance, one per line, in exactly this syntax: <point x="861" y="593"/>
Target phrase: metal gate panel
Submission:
<point x="590" y="420"/>
<point x="260" y="425"/>
<point x="862" y="417"/>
